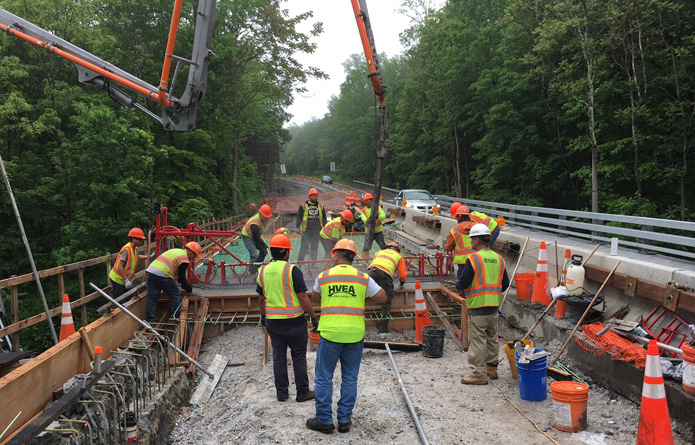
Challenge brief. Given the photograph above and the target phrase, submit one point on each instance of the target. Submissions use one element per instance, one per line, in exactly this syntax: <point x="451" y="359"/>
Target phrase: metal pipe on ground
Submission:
<point x="407" y="399"/>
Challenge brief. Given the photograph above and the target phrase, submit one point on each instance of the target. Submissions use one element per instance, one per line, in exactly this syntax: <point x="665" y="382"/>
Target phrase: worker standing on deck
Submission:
<point x="311" y="217"/>
<point x="334" y="230"/>
<point x="252" y="234"/>
<point x="382" y="269"/>
<point x="458" y="240"/>
<point x="381" y="216"/>
<point x="484" y="278"/>
<point x="164" y="272"/>
<point x="482" y="218"/>
<point x="123" y="272"/>
<point x="284" y="300"/>
<point x="343" y="291"/>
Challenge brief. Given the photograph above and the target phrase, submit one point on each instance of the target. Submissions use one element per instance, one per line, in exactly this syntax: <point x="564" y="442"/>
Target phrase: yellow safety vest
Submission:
<point x="256" y="219"/>
<point x="486" y="288"/>
<point x="343" y="295"/>
<point x="305" y="218"/>
<point x="328" y="230"/>
<point x="169" y="262"/>
<point x="386" y="260"/>
<point x="275" y="279"/>
<point x="463" y="246"/>
<point x="131" y="265"/>
<point x="379" y="227"/>
<point x="481" y="218"/>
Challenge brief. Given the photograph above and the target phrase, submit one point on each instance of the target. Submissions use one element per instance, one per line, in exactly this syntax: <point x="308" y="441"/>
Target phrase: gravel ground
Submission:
<point x="243" y="408"/>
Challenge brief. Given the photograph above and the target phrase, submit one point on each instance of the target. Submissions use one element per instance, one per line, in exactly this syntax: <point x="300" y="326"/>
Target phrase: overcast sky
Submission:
<point x="339" y="40"/>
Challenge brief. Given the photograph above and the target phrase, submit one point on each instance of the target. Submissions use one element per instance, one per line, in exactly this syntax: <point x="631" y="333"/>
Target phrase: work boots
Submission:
<point x="384" y="326"/>
<point x="306" y="396"/>
<point x="492" y="372"/>
<point x="314" y="424"/>
<point x="473" y="380"/>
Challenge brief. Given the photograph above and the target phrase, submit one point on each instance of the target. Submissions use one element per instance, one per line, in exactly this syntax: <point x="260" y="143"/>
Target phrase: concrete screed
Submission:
<point x="243" y="408"/>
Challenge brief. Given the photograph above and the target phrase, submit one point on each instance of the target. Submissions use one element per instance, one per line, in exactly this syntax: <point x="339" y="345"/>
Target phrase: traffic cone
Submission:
<point x="422" y="317"/>
<point x="541" y="285"/>
<point x="654" y="421"/>
<point x="67" y="326"/>
<point x="561" y="306"/>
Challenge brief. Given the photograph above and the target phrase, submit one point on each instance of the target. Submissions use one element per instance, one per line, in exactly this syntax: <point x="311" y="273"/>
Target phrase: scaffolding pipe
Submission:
<point x="407" y="399"/>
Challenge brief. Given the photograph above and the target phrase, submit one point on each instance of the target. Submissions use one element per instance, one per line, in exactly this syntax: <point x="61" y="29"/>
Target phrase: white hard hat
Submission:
<point x="479" y="230"/>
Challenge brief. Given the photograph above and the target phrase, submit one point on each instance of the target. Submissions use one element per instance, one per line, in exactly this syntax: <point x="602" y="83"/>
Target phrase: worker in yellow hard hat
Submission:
<point x="252" y="235"/>
<point x="164" y="272"/>
<point x="334" y="230"/>
<point x="381" y="216"/>
<point x="123" y="272"/>
<point x="311" y="217"/>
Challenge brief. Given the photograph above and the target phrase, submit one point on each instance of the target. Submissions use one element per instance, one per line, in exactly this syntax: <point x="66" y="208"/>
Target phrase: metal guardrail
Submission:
<point x="394" y="191"/>
<point x="648" y="235"/>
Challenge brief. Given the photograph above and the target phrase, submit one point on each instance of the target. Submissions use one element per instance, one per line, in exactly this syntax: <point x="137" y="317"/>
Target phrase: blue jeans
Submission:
<point x="327" y="356"/>
<point x="155" y="285"/>
<point x="493" y="236"/>
<point x="256" y="254"/>
<point x="290" y="333"/>
<point x="118" y="289"/>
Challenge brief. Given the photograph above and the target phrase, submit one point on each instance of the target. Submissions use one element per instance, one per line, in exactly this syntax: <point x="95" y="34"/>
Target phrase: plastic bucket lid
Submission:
<point x="576" y="390"/>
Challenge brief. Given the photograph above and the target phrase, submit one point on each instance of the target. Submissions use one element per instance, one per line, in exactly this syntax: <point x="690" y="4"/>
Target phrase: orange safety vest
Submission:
<point x="275" y="279"/>
<point x="169" y="262"/>
<point x="130" y="265"/>
<point x="463" y="246"/>
<point x="486" y="288"/>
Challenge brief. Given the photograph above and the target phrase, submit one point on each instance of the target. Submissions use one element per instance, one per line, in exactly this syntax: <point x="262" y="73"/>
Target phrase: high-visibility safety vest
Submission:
<point x="486" y="288"/>
<point x="305" y="218"/>
<point x="131" y="265"/>
<point x="481" y="218"/>
<point x="256" y="219"/>
<point x="275" y="279"/>
<point x="386" y="260"/>
<point x="463" y="246"/>
<point x="169" y="262"/>
<point x="379" y="227"/>
<point x="343" y="294"/>
<point x="328" y="230"/>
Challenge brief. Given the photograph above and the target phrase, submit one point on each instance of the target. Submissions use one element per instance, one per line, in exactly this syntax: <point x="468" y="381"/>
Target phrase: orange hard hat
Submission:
<point x="252" y="206"/>
<point x="345" y="244"/>
<point x="195" y="248"/>
<point x="266" y="211"/>
<point x="394" y="246"/>
<point x="454" y="207"/>
<point x="312" y="191"/>
<point x="347" y="215"/>
<point x="282" y="231"/>
<point x="136" y="232"/>
<point x="367" y="196"/>
<point x="281" y="242"/>
<point x="463" y="210"/>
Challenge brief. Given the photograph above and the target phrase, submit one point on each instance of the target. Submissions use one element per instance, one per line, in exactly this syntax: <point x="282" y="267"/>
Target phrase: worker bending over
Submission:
<point x="380" y="217"/>
<point x="283" y="303"/>
<point x="123" y="272"/>
<point x="382" y="269"/>
<point x="458" y="240"/>
<point x="252" y="234"/>
<point x="484" y="278"/>
<point x="334" y="230"/>
<point x="311" y="217"/>
<point x="343" y="291"/>
<point x="162" y="275"/>
<point x="490" y="223"/>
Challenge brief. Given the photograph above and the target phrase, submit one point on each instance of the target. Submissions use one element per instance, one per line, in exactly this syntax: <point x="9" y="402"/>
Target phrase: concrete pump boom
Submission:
<point x="178" y="114"/>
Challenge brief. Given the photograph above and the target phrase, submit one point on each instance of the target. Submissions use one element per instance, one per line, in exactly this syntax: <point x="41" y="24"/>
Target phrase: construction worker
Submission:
<point x="164" y="272"/>
<point x="453" y="208"/>
<point x="334" y="230"/>
<point x="283" y="302"/>
<point x="252" y="234"/>
<point x="382" y="269"/>
<point x="123" y="272"/>
<point x="484" y="278"/>
<point x="343" y="290"/>
<point x="381" y="216"/>
<point x="458" y="241"/>
<point x="311" y="217"/>
<point x="482" y="218"/>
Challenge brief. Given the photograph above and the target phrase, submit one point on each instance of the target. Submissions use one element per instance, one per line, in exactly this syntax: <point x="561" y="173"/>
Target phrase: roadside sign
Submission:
<point x="282" y="169"/>
<point x="332" y="166"/>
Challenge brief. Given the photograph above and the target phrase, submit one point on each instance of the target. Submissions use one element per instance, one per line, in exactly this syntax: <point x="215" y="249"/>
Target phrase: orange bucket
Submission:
<point x="314" y="339"/>
<point x="569" y="405"/>
<point x="524" y="281"/>
<point x="689" y="369"/>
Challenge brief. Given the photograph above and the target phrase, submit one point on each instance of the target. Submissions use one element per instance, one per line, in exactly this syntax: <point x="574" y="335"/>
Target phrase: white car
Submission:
<point x="416" y="199"/>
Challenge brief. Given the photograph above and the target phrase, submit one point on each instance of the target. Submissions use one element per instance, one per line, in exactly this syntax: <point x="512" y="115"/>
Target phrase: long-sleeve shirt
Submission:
<point x="464" y="227"/>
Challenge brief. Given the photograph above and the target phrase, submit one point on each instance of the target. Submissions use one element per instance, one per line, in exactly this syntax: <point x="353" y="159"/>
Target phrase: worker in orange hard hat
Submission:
<point x="453" y="208"/>
<point x="164" y="272"/>
<point x="381" y="216"/>
<point x="311" y="217"/>
<point x="252" y="234"/>
<point x="334" y="230"/>
<point x="123" y="272"/>
<point x="283" y="301"/>
<point x="458" y="240"/>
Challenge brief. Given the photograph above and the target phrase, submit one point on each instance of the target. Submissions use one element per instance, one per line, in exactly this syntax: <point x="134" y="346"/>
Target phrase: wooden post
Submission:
<point x="14" y="295"/>
<point x="61" y="288"/>
<point x="80" y="279"/>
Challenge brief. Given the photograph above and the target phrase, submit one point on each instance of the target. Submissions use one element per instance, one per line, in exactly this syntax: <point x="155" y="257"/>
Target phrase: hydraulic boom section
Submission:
<point x="178" y="114"/>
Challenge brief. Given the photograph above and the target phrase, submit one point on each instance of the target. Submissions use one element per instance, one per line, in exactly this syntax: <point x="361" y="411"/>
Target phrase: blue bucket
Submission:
<point x="533" y="378"/>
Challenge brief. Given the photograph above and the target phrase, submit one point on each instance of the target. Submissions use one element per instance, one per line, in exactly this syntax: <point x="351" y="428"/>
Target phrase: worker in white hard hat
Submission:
<point x="483" y="280"/>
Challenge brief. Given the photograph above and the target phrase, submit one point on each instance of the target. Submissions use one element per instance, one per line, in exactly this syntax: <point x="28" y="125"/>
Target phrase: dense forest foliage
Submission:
<point x="577" y="104"/>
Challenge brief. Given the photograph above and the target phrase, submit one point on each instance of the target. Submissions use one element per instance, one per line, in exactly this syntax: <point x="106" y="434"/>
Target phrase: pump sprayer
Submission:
<point x="575" y="276"/>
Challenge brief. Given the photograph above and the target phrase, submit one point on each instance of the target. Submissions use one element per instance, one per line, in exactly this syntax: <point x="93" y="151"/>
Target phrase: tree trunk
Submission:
<point x="457" y="163"/>
<point x="592" y="129"/>
<point x="235" y="178"/>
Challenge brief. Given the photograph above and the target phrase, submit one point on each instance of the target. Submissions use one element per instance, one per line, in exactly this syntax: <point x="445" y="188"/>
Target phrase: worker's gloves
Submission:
<point x="315" y="324"/>
<point x="153" y="255"/>
<point x="263" y="320"/>
<point x="128" y="285"/>
<point x="402" y="283"/>
<point x="188" y="288"/>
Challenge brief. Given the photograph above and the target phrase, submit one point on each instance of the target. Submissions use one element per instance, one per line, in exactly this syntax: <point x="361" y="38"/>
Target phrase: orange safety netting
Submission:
<point x="610" y="342"/>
